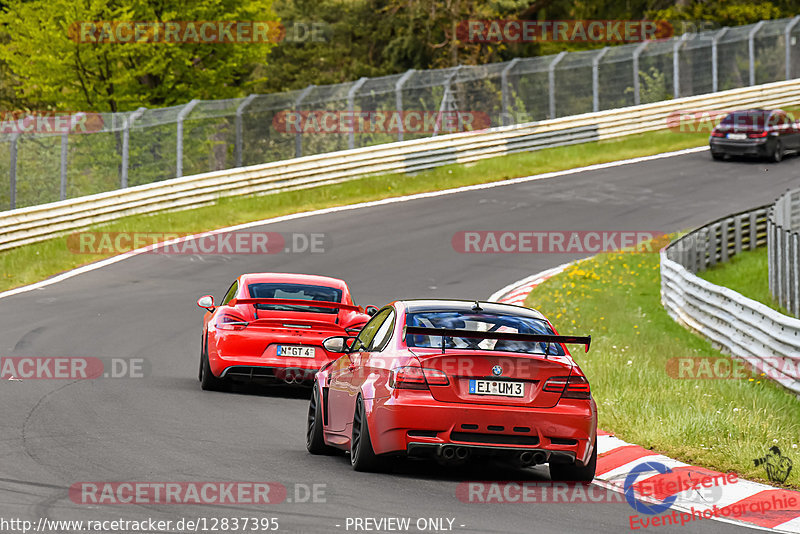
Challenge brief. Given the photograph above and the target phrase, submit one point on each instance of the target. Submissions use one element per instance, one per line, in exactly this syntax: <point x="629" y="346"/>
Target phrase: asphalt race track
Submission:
<point x="162" y="427"/>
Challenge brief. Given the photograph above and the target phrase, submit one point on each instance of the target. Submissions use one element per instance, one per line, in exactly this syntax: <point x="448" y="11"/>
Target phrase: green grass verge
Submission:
<point x="722" y="424"/>
<point x="746" y="273"/>
<point x="37" y="261"/>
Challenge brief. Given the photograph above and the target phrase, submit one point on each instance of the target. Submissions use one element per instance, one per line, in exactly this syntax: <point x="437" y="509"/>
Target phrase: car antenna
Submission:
<point x="477" y="307"/>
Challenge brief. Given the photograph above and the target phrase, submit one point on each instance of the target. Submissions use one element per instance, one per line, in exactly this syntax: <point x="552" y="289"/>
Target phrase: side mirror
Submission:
<point x="207" y="302"/>
<point x="371" y="310"/>
<point x="338" y="344"/>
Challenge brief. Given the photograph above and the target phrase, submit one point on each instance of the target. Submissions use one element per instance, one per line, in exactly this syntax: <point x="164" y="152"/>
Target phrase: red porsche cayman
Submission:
<point x="271" y="326"/>
<point x="456" y="380"/>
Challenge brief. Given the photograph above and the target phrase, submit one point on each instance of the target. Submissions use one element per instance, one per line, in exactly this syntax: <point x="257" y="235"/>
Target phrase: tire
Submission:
<point x="315" y="443"/>
<point x="362" y="455"/>
<point x="575" y="472"/>
<point x="717" y="156"/>
<point x="777" y="153"/>
<point x="209" y="382"/>
<point x="202" y="355"/>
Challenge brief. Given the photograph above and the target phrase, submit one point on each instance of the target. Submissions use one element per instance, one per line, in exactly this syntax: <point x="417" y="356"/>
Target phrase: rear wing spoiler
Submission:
<point x="297" y="302"/>
<point x="543" y="338"/>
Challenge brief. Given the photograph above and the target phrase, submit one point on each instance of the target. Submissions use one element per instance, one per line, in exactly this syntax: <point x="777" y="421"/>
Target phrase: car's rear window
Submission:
<point x="747" y="119"/>
<point x="294" y="292"/>
<point x="481" y="322"/>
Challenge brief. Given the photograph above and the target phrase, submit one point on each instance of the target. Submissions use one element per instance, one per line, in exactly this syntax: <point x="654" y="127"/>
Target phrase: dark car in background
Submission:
<point x="757" y="133"/>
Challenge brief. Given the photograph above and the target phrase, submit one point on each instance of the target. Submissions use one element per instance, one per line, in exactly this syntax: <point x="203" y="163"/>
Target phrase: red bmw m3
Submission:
<point x="271" y="326"/>
<point x="456" y="380"/>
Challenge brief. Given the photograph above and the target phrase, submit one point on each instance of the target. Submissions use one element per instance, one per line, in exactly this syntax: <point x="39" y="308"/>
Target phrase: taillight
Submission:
<point x="435" y="377"/>
<point x="231" y="322"/>
<point x="417" y="378"/>
<point x="715" y="133"/>
<point x="757" y="135"/>
<point x="570" y="387"/>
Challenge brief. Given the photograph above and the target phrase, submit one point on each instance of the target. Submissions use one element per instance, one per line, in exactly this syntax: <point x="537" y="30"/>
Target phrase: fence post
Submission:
<point x="398" y="97"/>
<point x="179" y="141"/>
<point x="724" y="240"/>
<point x="126" y="136"/>
<point x="786" y="238"/>
<point x="596" y="78"/>
<point x="771" y="253"/>
<point x="64" y="145"/>
<point x="239" y="134"/>
<point x="636" y="53"/>
<point x="795" y="296"/>
<point x="751" y="49"/>
<point x="788" y="45"/>
<point x="446" y="99"/>
<point x="12" y="193"/>
<point x="551" y="83"/>
<point x="676" y="68"/>
<point x="715" y="59"/>
<point x="351" y="104"/>
<point x="505" y="93"/>
<point x="298" y="139"/>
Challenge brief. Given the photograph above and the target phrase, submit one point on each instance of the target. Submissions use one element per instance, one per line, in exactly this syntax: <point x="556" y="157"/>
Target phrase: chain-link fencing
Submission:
<point x="147" y="145"/>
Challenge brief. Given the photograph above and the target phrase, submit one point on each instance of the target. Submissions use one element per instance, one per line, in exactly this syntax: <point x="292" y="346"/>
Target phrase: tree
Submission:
<point x="54" y="68"/>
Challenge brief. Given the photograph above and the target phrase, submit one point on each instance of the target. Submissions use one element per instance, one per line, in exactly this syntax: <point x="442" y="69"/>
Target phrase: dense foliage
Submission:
<point x="327" y="41"/>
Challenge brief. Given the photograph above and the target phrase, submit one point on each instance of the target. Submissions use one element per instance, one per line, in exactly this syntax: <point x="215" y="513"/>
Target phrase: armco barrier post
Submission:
<point x="795" y="265"/>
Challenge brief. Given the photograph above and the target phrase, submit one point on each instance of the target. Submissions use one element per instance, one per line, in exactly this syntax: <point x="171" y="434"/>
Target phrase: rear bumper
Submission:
<point x="420" y="425"/>
<point x="751" y="147"/>
<point x="266" y="368"/>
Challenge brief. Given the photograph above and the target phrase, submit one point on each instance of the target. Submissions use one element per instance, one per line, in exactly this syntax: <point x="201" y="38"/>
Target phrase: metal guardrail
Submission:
<point x="784" y="251"/>
<point x="147" y="145"/>
<point x="744" y="328"/>
<point x="37" y="223"/>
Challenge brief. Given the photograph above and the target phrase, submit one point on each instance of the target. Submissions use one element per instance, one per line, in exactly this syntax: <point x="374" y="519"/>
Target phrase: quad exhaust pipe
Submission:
<point x="451" y="454"/>
<point x="293" y="379"/>
<point x="529" y="458"/>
